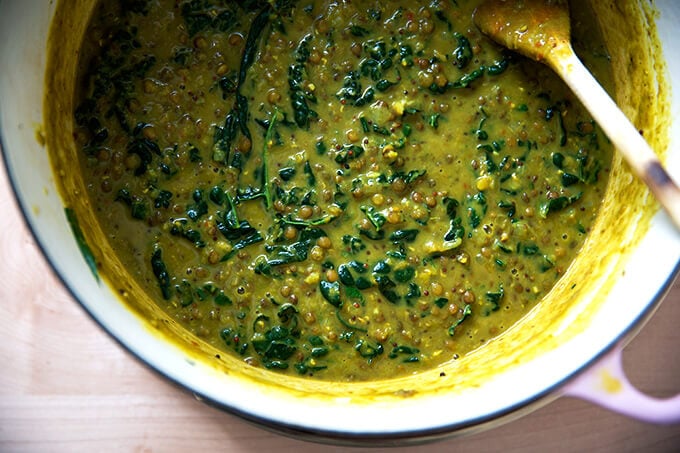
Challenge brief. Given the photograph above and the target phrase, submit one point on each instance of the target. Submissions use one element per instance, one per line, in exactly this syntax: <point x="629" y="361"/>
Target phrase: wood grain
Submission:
<point x="65" y="386"/>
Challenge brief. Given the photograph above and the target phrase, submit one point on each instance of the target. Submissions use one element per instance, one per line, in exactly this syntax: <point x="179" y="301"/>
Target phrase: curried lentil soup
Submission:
<point x="332" y="190"/>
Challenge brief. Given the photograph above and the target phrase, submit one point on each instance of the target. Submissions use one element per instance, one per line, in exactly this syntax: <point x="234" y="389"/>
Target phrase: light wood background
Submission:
<point x="65" y="386"/>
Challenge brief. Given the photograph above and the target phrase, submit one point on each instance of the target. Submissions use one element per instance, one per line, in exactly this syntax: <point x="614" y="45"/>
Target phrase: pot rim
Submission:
<point x="544" y="394"/>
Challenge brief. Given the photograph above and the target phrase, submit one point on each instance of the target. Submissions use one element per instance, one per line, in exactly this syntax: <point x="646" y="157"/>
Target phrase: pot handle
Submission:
<point x="606" y="385"/>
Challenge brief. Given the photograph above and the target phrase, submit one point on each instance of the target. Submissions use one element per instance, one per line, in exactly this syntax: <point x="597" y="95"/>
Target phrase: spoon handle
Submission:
<point x="623" y="134"/>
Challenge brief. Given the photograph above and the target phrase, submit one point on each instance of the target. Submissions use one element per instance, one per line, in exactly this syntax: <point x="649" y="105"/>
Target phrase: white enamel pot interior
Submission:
<point x="369" y="412"/>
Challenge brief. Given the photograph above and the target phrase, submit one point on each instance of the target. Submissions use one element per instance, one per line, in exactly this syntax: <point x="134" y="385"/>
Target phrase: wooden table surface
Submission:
<point x="65" y="386"/>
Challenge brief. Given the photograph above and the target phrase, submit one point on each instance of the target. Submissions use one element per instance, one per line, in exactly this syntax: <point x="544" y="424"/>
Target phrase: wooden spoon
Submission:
<point x="540" y="30"/>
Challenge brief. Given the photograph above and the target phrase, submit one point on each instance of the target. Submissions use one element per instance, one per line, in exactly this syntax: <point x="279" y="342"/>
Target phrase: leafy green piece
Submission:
<point x="236" y="122"/>
<point x="287" y="173"/>
<point x="409" y="178"/>
<point x="355" y="294"/>
<point x="84" y="248"/>
<point x="345" y="275"/>
<point x="276" y="344"/>
<point x="404" y="275"/>
<point x="302" y="50"/>
<point x="439" y="14"/>
<point x="384" y="85"/>
<point x="382" y="267"/>
<point x="377" y="49"/>
<point x="138" y="206"/>
<point x="473" y="217"/>
<point x="266" y="190"/>
<point x="162" y="200"/>
<point x="305" y="367"/>
<point x="228" y="85"/>
<point x="379" y="67"/>
<point x="319" y="351"/>
<point x="530" y="249"/>
<point x="160" y="271"/>
<point x="364" y="124"/>
<point x="331" y="292"/>
<point x="234" y="338"/>
<point x="480" y="133"/>
<point x="376" y="218"/>
<point x="179" y="228"/>
<point x="398" y="254"/>
<point x="467" y="311"/>
<point x="299" y="95"/>
<point x="406" y="53"/>
<point x="144" y="148"/>
<point x="311" y="179"/>
<point x="588" y="168"/>
<point x="462" y="54"/>
<point x="368" y="350"/>
<point x="288" y="197"/>
<point x="494" y="300"/>
<point x="239" y="232"/>
<point x="413" y="292"/>
<point x="569" y="179"/>
<point x="508" y="206"/>
<point x="201" y="15"/>
<point x="222" y="299"/>
<point x="456" y="230"/>
<point x="114" y="79"/>
<point x="405" y="350"/>
<point x="372" y="68"/>
<point x="387" y="288"/>
<point x="366" y="97"/>
<point x="358" y="267"/>
<point x="433" y="120"/>
<point x="556" y="111"/>
<point x="199" y="207"/>
<point x="353" y="243"/>
<point x="351" y="87"/>
<point x="363" y="283"/>
<point x="406" y="235"/>
<point x="547" y="264"/>
<point x="218" y="195"/>
<point x="296" y="252"/>
<point x="358" y="31"/>
<point x="320" y="147"/>
<point x="557" y="204"/>
<point x="282" y="254"/>
<point x="185" y="293"/>
<point x="502" y="247"/>
<point x="287" y="314"/>
<point x="350" y="325"/>
<point x="348" y="152"/>
<point x="499" y="67"/>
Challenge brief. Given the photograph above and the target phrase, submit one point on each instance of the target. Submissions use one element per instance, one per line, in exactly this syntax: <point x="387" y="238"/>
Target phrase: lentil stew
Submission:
<point x="331" y="190"/>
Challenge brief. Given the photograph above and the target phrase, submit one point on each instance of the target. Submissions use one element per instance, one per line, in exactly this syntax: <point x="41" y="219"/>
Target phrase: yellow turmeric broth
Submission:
<point x="335" y="189"/>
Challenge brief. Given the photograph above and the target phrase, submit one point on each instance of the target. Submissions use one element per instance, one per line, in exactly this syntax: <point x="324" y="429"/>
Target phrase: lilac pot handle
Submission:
<point x="606" y="385"/>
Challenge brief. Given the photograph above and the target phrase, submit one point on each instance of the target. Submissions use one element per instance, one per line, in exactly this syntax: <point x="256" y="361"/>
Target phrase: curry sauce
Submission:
<point x="332" y="190"/>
